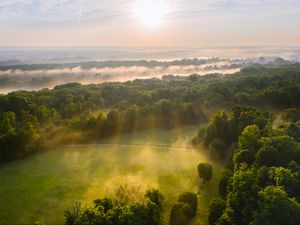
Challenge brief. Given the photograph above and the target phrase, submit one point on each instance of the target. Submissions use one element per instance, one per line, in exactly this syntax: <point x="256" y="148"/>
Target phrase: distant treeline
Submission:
<point x="146" y="63"/>
<point x="107" y="109"/>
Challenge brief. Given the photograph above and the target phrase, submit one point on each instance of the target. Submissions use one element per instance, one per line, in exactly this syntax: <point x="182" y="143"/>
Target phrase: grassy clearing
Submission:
<point x="41" y="187"/>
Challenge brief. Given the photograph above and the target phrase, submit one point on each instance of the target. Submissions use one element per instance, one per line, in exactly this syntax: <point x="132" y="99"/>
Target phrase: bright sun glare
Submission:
<point x="151" y="13"/>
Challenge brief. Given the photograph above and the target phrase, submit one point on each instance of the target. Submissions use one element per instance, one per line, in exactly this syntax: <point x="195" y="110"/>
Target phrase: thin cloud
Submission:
<point x="6" y="3"/>
<point x="87" y="8"/>
<point x="81" y="7"/>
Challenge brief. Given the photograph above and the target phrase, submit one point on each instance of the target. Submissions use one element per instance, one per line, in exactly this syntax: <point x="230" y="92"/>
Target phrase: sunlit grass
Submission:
<point x="41" y="187"/>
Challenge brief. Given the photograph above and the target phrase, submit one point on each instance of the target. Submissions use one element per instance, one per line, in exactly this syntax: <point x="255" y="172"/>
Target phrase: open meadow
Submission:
<point x="40" y="187"/>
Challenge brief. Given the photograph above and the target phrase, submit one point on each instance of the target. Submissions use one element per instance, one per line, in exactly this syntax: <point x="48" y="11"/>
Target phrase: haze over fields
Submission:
<point x="26" y="68"/>
<point x="149" y="112"/>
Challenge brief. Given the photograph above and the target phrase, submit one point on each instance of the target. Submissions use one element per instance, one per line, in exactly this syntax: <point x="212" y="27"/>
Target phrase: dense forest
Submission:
<point x="260" y="183"/>
<point x="99" y="110"/>
<point x="254" y="133"/>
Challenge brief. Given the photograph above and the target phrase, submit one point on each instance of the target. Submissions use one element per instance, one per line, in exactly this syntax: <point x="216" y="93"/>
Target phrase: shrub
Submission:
<point x="205" y="171"/>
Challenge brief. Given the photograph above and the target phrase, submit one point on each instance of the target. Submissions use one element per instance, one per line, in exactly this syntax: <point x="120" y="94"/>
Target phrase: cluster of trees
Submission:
<point x="184" y="210"/>
<point x="258" y="84"/>
<point x="18" y="137"/>
<point x="261" y="185"/>
<point x="154" y="103"/>
<point x="164" y="114"/>
<point x="226" y="128"/>
<point x="109" y="212"/>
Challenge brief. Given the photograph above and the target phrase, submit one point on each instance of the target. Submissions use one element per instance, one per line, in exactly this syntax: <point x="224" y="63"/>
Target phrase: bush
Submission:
<point x="184" y="210"/>
<point x="180" y="214"/>
<point x="73" y="215"/>
<point x="190" y="199"/>
<point x="108" y="212"/>
<point x="205" y="171"/>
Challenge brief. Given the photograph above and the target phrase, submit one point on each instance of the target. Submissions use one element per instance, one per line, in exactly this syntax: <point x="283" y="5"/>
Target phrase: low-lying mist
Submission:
<point x="24" y="79"/>
<point x="53" y="180"/>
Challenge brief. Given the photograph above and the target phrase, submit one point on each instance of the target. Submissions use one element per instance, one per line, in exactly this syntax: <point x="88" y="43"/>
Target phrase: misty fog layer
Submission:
<point x="31" y="55"/>
<point x="94" y="172"/>
<point x="20" y="78"/>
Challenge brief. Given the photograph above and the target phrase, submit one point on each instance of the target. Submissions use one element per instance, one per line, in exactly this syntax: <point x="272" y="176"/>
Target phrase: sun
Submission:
<point x="150" y="13"/>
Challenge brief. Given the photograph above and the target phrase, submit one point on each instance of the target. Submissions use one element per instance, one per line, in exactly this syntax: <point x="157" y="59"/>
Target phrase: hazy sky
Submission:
<point x="149" y="22"/>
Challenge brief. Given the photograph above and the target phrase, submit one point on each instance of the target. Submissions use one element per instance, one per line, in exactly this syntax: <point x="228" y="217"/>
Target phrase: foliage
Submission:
<point x="217" y="149"/>
<point x="190" y="199"/>
<point x="180" y="214"/>
<point x="105" y="212"/>
<point x="166" y="103"/>
<point x="291" y="115"/>
<point x="216" y="209"/>
<point x="227" y="128"/>
<point x="184" y="210"/>
<point x="205" y="171"/>
<point x="276" y="208"/>
<point x="242" y="197"/>
<point x="264" y="185"/>
<point x="268" y="156"/>
<point x="17" y="139"/>
<point x="224" y="182"/>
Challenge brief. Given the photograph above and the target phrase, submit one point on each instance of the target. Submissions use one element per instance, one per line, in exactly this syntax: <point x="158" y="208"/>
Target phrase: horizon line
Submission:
<point x="164" y="47"/>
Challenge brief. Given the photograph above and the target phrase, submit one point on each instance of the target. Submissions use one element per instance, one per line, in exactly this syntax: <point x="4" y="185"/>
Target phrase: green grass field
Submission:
<point x="41" y="187"/>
